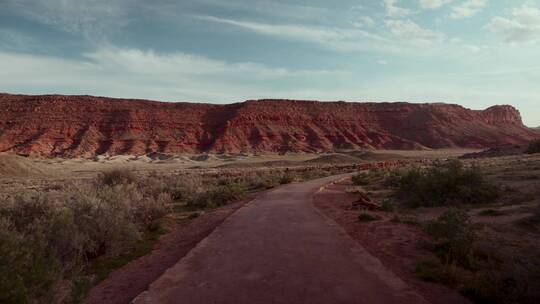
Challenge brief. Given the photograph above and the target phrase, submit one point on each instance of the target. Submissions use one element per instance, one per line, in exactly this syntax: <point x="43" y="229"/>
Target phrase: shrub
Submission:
<point x="286" y="179"/>
<point x="433" y="271"/>
<point x="387" y="206"/>
<point x="534" y="147"/>
<point x="116" y="176"/>
<point x="454" y="237"/>
<point x="444" y="185"/>
<point x="217" y="196"/>
<point x="366" y="217"/>
<point x="492" y="212"/>
<point x="531" y="223"/>
<point x="28" y="267"/>
<point x="361" y="179"/>
<point x="47" y="238"/>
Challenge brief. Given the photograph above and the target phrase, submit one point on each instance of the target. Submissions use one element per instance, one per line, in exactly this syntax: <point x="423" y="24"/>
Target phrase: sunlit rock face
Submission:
<point x="74" y="126"/>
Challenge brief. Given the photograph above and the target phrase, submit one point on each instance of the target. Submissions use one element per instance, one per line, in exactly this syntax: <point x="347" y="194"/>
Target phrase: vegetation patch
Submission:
<point x="367" y="217"/>
<point x="454" y="237"/>
<point x="445" y="185"/>
<point x="492" y="212"/>
<point x="361" y="179"/>
<point x="534" y="147"/>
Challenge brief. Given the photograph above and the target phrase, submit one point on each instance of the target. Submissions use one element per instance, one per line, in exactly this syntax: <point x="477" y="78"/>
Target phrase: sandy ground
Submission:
<point x="19" y="168"/>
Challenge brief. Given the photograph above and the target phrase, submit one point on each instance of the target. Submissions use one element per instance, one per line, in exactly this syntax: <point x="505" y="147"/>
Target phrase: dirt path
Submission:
<point x="279" y="249"/>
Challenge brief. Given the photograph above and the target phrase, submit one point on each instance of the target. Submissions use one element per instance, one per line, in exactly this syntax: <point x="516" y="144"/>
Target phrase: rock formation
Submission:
<point x="73" y="126"/>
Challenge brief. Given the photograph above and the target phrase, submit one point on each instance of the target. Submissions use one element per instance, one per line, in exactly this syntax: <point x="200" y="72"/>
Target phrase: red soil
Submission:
<point x="394" y="244"/>
<point x="71" y="126"/>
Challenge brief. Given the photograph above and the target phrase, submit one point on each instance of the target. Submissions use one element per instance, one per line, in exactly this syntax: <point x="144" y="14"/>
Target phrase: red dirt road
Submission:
<point x="279" y="249"/>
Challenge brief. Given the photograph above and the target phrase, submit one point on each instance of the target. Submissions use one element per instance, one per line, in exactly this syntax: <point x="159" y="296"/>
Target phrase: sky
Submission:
<point x="476" y="53"/>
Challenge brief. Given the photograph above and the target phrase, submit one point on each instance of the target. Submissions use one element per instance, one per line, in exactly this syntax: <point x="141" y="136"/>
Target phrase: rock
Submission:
<point x="75" y="126"/>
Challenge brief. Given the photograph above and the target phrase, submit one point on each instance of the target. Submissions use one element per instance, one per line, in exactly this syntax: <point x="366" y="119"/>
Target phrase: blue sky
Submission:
<point x="473" y="52"/>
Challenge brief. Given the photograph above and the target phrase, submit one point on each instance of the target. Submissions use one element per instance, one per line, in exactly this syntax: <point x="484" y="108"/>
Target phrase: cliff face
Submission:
<point x="70" y="126"/>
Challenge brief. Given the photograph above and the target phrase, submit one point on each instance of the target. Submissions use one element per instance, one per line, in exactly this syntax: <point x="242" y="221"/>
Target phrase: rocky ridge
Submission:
<point x="75" y="126"/>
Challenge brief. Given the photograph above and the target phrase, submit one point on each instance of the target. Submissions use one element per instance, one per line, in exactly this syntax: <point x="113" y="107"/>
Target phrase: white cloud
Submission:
<point x="335" y="38"/>
<point x="433" y="4"/>
<point x="522" y="26"/>
<point x="393" y="10"/>
<point x="382" y="62"/>
<point x="409" y="31"/>
<point x="364" y="21"/>
<point x="468" y="8"/>
<point x="145" y="74"/>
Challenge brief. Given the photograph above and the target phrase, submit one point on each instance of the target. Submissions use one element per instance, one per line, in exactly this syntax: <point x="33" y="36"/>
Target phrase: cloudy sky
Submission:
<point x="473" y="52"/>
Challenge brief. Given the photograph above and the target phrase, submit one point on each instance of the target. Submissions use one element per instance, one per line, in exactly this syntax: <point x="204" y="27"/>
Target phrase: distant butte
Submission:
<point x="85" y="126"/>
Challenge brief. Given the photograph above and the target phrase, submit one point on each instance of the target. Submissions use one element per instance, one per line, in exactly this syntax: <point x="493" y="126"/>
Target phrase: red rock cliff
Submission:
<point x="72" y="126"/>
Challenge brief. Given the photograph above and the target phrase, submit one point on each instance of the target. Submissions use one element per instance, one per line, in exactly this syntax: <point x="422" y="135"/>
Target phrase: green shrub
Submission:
<point x="445" y="185"/>
<point x="286" y="179"/>
<point x="435" y="272"/>
<point x="28" y="267"/>
<point x="217" y="196"/>
<point x="387" y="206"/>
<point x="361" y="179"/>
<point x="534" y="147"/>
<point x="366" y="217"/>
<point x="454" y="237"/>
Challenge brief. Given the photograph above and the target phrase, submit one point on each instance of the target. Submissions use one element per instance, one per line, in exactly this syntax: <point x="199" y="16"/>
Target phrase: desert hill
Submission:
<point x="70" y="126"/>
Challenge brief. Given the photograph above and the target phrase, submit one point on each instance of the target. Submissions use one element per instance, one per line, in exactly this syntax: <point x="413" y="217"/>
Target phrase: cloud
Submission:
<point x="91" y="18"/>
<point x="409" y="31"/>
<point x="14" y="40"/>
<point x="364" y="21"/>
<point x="145" y="74"/>
<point x="468" y="8"/>
<point x="522" y="26"/>
<point x="393" y="10"/>
<point x="335" y="38"/>
<point x="433" y="4"/>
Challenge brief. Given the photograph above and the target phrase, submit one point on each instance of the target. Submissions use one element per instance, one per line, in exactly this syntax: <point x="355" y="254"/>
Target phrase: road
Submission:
<point x="279" y="249"/>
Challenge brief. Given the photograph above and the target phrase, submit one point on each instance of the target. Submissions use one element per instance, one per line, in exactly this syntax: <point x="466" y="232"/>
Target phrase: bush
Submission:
<point x="286" y="179"/>
<point x="445" y="185"/>
<point x="435" y="272"/>
<point x="366" y="217"/>
<point x="217" y="196"/>
<point x="387" y="206"/>
<point x="49" y="238"/>
<point x="28" y="268"/>
<point x="454" y="237"/>
<point x="116" y="176"/>
<point x="361" y="179"/>
<point x="534" y="147"/>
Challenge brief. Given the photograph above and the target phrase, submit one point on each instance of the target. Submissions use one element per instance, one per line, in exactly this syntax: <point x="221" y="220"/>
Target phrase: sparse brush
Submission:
<point x="444" y="185"/>
<point x="387" y="206"/>
<point x="116" y="176"/>
<point x="361" y="179"/>
<point x="534" y="147"/>
<point x="454" y="237"/>
<point x="366" y="217"/>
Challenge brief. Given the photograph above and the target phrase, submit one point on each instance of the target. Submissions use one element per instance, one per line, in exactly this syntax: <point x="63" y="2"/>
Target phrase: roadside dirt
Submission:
<point x="126" y="283"/>
<point x="394" y="244"/>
